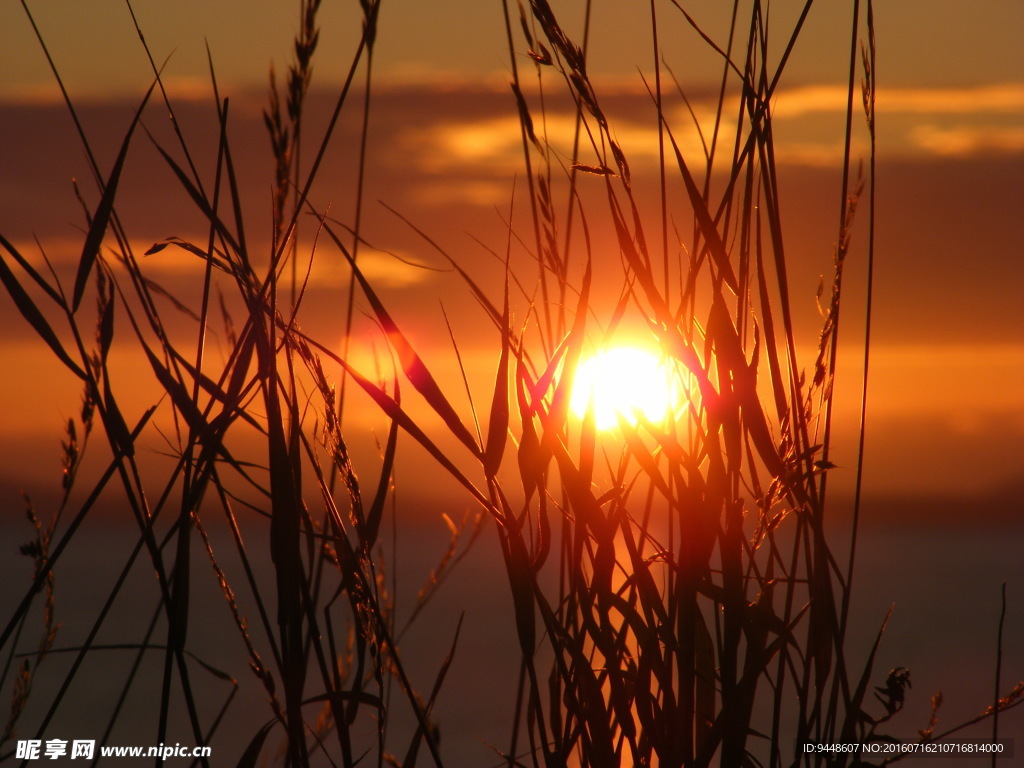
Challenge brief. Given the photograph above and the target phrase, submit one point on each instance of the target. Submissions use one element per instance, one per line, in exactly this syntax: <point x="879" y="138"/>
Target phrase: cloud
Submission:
<point x="380" y="268"/>
<point x="493" y="144"/>
<point x="968" y="140"/>
<point x="329" y="268"/>
<point x="485" y="193"/>
<point x="913" y="122"/>
<point x="403" y="78"/>
<point x="796" y="102"/>
<point x="814" y="153"/>
<point x="935" y="381"/>
<point x="48" y="94"/>
<point x="488" y="144"/>
<point x="1000" y="98"/>
<point x="64" y="251"/>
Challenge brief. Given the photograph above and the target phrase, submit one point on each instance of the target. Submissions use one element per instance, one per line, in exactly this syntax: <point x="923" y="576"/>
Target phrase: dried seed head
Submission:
<point x="88" y="409"/>
<point x="544" y="57"/>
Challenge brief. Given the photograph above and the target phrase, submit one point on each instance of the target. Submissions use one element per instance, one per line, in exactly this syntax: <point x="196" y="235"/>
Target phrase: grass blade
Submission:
<point x="98" y="225"/>
<point x="412" y="364"/>
<point x="35" y="318"/>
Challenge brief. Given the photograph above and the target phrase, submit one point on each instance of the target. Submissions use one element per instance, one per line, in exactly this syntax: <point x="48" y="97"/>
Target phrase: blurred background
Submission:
<point x="943" y="514"/>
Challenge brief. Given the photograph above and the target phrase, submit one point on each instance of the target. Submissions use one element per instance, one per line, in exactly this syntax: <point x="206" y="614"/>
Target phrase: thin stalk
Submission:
<point x="351" y="297"/>
<point x="844" y="209"/>
<point x="662" y="184"/>
<point x="578" y="124"/>
<point x="526" y="159"/>
<point x="869" y="97"/>
<point x="999" y="671"/>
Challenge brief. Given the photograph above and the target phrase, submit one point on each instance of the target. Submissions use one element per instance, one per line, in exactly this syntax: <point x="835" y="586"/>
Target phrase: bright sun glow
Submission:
<point x="624" y="381"/>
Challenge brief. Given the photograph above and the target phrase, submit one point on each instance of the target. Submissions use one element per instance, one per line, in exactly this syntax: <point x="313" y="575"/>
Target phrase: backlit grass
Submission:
<point x="676" y="596"/>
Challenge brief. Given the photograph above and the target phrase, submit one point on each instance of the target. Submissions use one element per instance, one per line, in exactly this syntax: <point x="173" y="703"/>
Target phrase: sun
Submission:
<point x="624" y="382"/>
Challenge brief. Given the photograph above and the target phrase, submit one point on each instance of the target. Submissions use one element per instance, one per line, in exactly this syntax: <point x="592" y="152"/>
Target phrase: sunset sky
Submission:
<point x="944" y="473"/>
<point x="947" y="406"/>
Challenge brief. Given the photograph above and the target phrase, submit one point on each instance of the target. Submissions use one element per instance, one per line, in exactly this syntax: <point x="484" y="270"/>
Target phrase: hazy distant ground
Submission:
<point x="943" y="580"/>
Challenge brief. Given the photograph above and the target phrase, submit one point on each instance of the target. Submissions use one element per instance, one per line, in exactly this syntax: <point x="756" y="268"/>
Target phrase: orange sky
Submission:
<point x="923" y="42"/>
<point x="947" y="410"/>
<point x="945" y="433"/>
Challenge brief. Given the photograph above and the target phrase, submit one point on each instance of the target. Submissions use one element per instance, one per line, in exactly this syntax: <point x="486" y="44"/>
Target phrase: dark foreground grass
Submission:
<point x="676" y="598"/>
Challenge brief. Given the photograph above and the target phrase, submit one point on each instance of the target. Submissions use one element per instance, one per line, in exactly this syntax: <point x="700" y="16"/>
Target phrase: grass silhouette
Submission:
<point x="677" y="598"/>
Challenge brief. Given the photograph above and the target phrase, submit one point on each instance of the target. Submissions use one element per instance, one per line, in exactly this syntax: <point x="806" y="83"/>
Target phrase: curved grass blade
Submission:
<point x="98" y="226"/>
<point x="412" y="364"/>
<point x="376" y="512"/>
<point x="250" y="757"/>
<point x="394" y="411"/>
<point x="35" y="318"/>
<point x="410" y="757"/>
<point x="117" y="428"/>
<point x="497" y="428"/>
<point x="715" y="244"/>
<point x="23" y="263"/>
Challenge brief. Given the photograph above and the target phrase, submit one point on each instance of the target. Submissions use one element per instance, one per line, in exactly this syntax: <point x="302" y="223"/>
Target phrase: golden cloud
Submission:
<point x="480" y="192"/>
<point x="329" y="268"/>
<point x="382" y="269"/>
<point x="917" y="377"/>
<point x="966" y="140"/>
<point x="494" y="144"/>
<point x="47" y="94"/>
<point x="985" y="99"/>
<point x="489" y="145"/>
